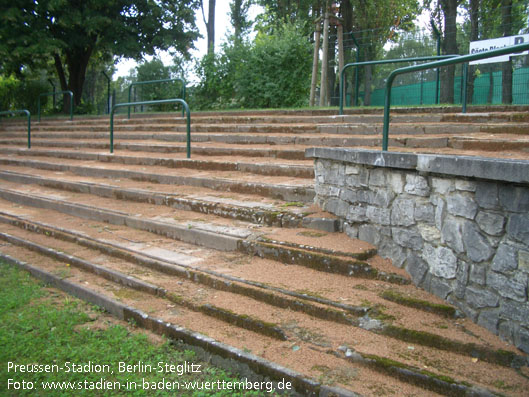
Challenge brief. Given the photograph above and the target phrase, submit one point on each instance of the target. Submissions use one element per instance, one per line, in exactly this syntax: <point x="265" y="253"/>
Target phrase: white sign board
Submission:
<point x="493" y="44"/>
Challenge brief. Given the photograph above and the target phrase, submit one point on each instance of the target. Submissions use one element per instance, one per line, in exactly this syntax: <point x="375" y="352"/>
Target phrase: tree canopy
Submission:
<point x="67" y="33"/>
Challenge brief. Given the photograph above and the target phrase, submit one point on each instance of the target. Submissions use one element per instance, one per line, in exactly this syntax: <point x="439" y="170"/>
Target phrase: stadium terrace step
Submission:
<point x="285" y="188"/>
<point x="226" y="251"/>
<point x="275" y="168"/>
<point x="181" y="299"/>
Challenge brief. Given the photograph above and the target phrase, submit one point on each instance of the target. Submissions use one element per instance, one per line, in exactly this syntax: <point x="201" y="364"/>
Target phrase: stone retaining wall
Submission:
<point x="458" y="225"/>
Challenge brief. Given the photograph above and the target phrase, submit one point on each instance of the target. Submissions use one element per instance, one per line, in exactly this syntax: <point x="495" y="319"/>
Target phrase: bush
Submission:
<point x="272" y="72"/>
<point x="21" y="94"/>
<point x="277" y="73"/>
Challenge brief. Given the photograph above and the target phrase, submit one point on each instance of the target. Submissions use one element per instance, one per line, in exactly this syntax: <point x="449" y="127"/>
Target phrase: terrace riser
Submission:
<point x="256" y="140"/>
<point x="256" y="215"/>
<point x="409" y="374"/>
<point x="463" y="143"/>
<point x="157" y="148"/>
<point x="260" y="169"/>
<point x="239" y="268"/>
<point x="281" y="192"/>
<point x="347" y="129"/>
<point x="209" y="239"/>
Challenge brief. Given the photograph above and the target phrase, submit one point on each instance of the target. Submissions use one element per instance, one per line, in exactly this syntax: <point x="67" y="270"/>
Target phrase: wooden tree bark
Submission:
<point x="506" y="67"/>
<point x="474" y="36"/>
<point x="210" y="24"/>
<point x="324" y="62"/>
<point x="315" y="62"/>
<point x="449" y="45"/>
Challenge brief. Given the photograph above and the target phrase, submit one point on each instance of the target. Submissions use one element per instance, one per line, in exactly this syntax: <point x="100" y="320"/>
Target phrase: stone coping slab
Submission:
<point x="515" y="171"/>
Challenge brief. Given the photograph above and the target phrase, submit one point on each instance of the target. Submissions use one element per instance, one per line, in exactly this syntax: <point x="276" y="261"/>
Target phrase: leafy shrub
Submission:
<point x="21" y="94"/>
<point x="273" y="71"/>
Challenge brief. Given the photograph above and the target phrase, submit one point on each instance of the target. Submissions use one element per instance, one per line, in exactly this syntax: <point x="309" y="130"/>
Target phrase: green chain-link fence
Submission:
<point x="421" y="88"/>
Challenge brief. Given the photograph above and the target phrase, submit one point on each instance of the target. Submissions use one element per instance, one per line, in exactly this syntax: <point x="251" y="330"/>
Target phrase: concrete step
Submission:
<point x="233" y="139"/>
<point x="447" y="128"/>
<point x="249" y="208"/>
<point x="356" y="128"/>
<point x="312" y="347"/>
<point x="486" y="142"/>
<point x="298" y="169"/>
<point x="204" y="244"/>
<point x="205" y="149"/>
<point x="206" y="230"/>
<point x="282" y="188"/>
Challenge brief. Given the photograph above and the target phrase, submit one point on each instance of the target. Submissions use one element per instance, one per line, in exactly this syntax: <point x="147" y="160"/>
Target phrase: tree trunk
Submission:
<point x="77" y="64"/>
<point x="210" y="25"/>
<point x="474" y="35"/>
<point x="237" y="18"/>
<point x="449" y="8"/>
<point x="62" y="79"/>
<point x="506" y="27"/>
<point x="331" y="76"/>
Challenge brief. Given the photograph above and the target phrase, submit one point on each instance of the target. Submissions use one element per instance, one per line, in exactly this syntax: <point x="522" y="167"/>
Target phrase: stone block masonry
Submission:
<point x="459" y="225"/>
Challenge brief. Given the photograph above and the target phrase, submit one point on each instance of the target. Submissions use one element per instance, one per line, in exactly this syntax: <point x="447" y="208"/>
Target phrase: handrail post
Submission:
<point x="71" y="104"/>
<point x="182" y="90"/>
<point x="341" y="90"/>
<point x="384" y="61"/>
<point x="54" y="89"/>
<point x="28" y="115"/>
<point x="112" y="129"/>
<point x="69" y="92"/>
<point x="464" y="84"/>
<point x="130" y="94"/>
<point x="387" y="104"/>
<point x="156" y="102"/>
<point x="185" y="107"/>
<point x="437" y="64"/>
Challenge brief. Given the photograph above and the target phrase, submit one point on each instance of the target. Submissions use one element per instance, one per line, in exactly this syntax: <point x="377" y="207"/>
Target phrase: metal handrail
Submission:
<point x="156" y="102"/>
<point x="381" y="62"/>
<point x="53" y="93"/>
<point x="182" y="90"/>
<point x="437" y="64"/>
<point x="28" y="114"/>
<point x="109" y="80"/>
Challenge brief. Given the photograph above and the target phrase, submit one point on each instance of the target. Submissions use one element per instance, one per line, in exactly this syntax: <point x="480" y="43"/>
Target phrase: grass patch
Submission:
<point x="39" y="326"/>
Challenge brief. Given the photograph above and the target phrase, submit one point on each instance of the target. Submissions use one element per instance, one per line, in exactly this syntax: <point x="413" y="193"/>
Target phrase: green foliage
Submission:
<point x="68" y="33"/>
<point x="272" y="72"/>
<point x="220" y="75"/>
<point x="22" y="94"/>
<point x="8" y="86"/>
<point x="278" y="72"/>
<point x="278" y="12"/>
<point x="39" y="326"/>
